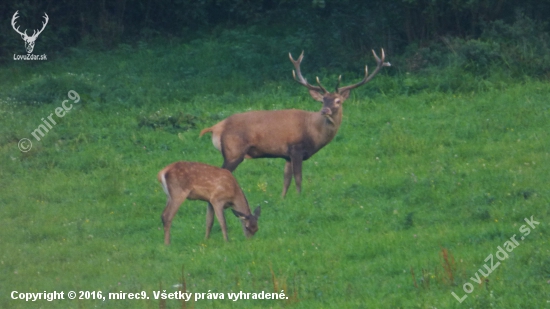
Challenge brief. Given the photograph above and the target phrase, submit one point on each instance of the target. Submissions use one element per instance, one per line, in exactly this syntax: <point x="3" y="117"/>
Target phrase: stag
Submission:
<point x="29" y="40"/>
<point x="198" y="181"/>
<point x="294" y="135"/>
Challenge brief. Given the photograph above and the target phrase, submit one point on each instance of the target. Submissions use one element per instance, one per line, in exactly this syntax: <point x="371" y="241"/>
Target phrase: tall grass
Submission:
<point x="418" y="173"/>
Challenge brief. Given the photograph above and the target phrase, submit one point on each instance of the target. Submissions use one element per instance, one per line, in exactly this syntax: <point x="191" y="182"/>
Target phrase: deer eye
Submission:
<point x="337" y="101"/>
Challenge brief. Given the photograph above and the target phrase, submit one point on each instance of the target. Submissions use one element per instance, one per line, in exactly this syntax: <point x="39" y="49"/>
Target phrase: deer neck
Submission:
<point x="335" y="120"/>
<point x="326" y="127"/>
<point x="241" y="203"/>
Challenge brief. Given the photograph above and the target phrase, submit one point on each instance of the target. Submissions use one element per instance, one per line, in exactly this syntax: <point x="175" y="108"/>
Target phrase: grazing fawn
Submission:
<point x="217" y="186"/>
<point x="291" y="134"/>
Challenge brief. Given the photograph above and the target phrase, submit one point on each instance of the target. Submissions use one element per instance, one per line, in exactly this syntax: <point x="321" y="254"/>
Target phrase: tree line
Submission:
<point x="355" y="25"/>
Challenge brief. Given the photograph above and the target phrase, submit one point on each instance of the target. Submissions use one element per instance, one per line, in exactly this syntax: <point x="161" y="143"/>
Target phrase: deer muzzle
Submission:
<point x="326" y="111"/>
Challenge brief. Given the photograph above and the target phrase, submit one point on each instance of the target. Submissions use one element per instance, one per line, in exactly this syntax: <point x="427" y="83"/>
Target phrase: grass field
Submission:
<point x="400" y="210"/>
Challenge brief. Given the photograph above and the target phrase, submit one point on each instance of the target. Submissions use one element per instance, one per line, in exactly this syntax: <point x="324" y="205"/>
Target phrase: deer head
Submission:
<point x="29" y="40"/>
<point x="333" y="100"/>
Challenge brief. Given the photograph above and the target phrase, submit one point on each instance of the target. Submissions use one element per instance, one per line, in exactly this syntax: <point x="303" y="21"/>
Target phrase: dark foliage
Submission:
<point x="171" y="123"/>
<point x="336" y="33"/>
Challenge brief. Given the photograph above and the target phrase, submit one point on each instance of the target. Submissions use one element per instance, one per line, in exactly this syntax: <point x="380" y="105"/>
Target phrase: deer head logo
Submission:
<point x="29" y="40"/>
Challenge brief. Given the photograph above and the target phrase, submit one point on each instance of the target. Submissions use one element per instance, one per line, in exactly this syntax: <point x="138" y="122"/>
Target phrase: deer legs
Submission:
<point x="297" y="171"/>
<point x="209" y="220"/>
<point x="218" y="211"/>
<point x="293" y="167"/>
<point x="288" y="177"/>
<point x="172" y="206"/>
<point x="232" y="165"/>
<point x="233" y="156"/>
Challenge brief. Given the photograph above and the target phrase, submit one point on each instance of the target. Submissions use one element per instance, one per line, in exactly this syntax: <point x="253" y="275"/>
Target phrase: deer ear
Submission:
<point x="257" y="211"/>
<point x="239" y="214"/>
<point x="345" y="94"/>
<point x="316" y="95"/>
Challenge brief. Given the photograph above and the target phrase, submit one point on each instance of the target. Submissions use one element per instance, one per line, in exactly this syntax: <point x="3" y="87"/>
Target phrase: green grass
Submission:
<point x="409" y="176"/>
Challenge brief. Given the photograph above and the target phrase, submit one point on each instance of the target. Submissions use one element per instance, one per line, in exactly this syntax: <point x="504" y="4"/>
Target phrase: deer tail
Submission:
<point x="206" y="131"/>
<point x="162" y="178"/>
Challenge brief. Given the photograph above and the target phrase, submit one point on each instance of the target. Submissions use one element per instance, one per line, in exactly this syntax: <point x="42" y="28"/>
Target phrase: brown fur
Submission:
<point x="217" y="186"/>
<point x="294" y="135"/>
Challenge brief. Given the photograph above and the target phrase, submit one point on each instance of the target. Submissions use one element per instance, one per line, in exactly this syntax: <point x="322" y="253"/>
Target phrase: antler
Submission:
<point x="379" y="64"/>
<point x="34" y="33"/>
<point x="43" y="25"/>
<point x="13" y="24"/>
<point x="300" y="79"/>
